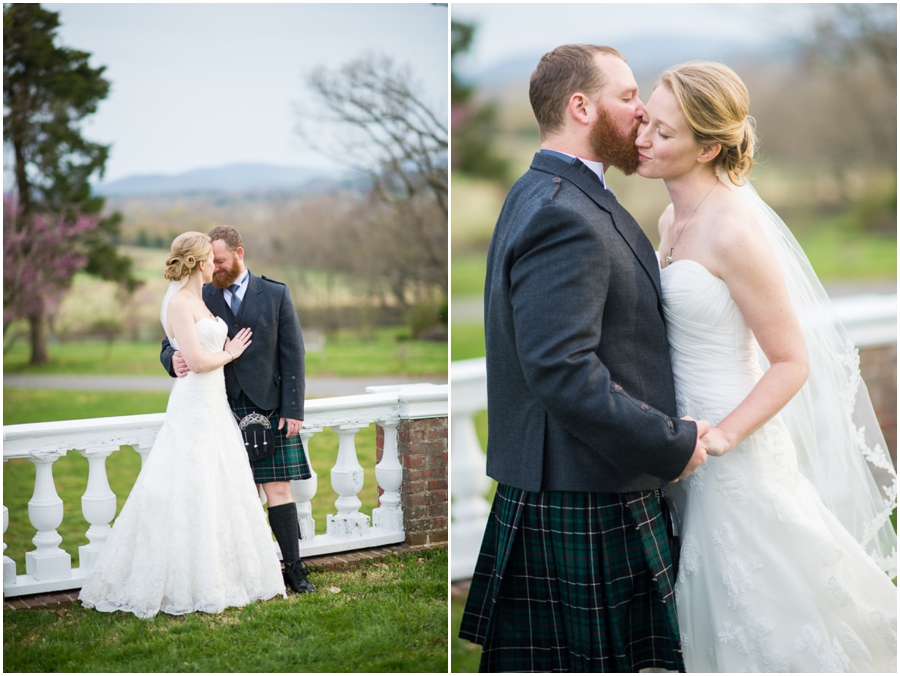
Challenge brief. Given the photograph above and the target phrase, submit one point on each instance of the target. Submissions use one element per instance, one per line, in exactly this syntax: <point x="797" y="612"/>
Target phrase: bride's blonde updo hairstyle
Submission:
<point x="188" y="250"/>
<point x="715" y="103"/>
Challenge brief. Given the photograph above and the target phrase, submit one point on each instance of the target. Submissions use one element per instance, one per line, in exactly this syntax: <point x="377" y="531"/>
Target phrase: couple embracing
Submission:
<point x="192" y="535"/>
<point x="690" y="473"/>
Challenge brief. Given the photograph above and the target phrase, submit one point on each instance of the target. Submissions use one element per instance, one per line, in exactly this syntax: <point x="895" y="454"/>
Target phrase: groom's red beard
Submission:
<point x="225" y="277"/>
<point x="613" y="146"/>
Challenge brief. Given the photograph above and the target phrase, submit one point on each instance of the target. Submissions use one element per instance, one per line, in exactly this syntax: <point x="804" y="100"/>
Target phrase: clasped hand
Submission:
<point x="699" y="455"/>
<point x="710" y="441"/>
<point x="716" y="442"/>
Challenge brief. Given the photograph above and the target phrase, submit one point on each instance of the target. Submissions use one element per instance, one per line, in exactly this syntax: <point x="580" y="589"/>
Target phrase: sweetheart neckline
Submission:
<point x="697" y="263"/>
<point x="215" y="319"/>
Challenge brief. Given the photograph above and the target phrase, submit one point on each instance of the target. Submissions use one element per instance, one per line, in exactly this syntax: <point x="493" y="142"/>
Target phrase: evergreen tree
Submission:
<point x="474" y="125"/>
<point x="47" y="91"/>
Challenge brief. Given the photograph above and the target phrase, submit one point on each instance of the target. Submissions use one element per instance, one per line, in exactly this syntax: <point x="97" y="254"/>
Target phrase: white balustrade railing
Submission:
<point x="468" y="480"/>
<point x="49" y="567"/>
<point x="871" y="321"/>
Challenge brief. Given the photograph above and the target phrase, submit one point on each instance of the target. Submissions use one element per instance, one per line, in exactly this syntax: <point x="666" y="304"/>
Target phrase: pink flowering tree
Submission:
<point x="39" y="262"/>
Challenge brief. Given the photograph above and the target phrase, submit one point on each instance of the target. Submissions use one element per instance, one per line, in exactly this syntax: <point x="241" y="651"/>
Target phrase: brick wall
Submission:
<point x="424" y="497"/>
<point x="879" y="370"/>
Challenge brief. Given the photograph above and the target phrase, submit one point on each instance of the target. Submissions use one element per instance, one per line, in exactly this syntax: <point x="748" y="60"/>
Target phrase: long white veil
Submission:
<point x="174" y="287"/>
<point x="839" y="443"/>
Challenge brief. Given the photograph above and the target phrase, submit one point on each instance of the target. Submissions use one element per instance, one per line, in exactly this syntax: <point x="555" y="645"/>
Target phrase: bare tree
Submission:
<point x="847" y="34"/>
<point x="387" y="130"/>
<point x="394" y="240"/>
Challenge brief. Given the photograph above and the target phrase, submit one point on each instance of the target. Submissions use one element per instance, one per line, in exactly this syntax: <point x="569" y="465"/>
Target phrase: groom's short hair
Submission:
<point x="227" y="234"/>
<point x="561" y="73"/>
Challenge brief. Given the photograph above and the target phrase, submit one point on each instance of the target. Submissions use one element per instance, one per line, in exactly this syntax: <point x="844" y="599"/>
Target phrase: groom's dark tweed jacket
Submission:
<point x="581" y="395"/>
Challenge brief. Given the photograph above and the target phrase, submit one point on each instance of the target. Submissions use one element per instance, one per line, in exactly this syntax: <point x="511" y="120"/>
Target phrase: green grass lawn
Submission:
<point x="467" y="274"/>
<point x="838" y="254"/>
<point x="464" y="656"/>
<point x="351" y="354"/>
<point x="71" y="472"/>
<point x="380" y="617"/>
<point x="466" y="341"/>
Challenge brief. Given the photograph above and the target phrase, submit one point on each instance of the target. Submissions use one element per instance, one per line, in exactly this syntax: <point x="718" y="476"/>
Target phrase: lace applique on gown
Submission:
<point x="192" y="535"/>
<point x="769" y="579"/>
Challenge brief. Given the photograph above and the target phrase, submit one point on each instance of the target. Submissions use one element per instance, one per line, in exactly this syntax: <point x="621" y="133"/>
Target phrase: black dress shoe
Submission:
<point x="295" y="577"/>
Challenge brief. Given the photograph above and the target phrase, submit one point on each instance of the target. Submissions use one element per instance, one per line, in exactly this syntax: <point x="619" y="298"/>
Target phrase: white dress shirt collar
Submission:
<point x="596" y="167"/>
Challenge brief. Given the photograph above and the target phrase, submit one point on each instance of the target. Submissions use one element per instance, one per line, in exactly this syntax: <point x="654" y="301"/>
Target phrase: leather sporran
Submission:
<point x="258" y="434"/>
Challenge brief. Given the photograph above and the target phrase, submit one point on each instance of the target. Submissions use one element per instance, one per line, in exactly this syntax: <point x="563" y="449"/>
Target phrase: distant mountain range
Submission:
<point x="232" y="178"/>
<point x="647" y="57"/>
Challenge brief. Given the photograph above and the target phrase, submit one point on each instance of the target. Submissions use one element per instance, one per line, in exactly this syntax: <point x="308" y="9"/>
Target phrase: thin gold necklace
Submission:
<point x="684" y="227"/>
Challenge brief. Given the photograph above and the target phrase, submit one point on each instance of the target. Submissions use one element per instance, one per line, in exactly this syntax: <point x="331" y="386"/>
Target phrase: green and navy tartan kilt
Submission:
<point x="288" y="462"/>
<point x="574" y="582"/>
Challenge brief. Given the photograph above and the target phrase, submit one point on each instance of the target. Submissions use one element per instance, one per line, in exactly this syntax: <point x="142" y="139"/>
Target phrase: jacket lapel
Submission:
<point x="249" y="311"/>
<point x="588" y="182"/>
<point x="215" y="301"/>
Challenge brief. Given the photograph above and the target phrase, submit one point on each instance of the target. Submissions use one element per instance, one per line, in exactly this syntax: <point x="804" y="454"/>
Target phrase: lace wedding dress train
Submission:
<point x="769" y="579"/>
<point x="192" y="535"/>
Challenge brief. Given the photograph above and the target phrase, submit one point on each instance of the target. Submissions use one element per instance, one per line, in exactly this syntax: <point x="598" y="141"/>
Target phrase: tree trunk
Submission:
<point x="38" y="333"/>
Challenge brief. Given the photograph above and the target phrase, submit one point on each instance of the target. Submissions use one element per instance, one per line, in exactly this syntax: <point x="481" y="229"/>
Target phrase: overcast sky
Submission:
<point x="510" y="30"/>
<point x="204" y="85"/>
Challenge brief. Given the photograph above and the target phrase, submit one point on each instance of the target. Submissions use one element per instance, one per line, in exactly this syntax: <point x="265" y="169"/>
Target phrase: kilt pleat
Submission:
<point x="288" y="462"/>
<point x="574" y="582"/>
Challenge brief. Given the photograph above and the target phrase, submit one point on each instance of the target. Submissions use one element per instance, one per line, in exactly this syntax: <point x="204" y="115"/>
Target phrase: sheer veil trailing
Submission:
<point x="174" y="287"/>
<point x="839" y="443"/>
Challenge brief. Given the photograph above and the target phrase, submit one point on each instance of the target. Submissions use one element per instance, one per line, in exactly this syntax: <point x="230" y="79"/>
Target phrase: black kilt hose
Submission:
<point x="288" y="462"/>
<point x="574" y="582"/>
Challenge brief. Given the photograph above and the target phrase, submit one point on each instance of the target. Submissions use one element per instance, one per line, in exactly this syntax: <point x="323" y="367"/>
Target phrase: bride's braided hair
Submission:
<point x="715" y="103"/>
<point x="188" y="249"/>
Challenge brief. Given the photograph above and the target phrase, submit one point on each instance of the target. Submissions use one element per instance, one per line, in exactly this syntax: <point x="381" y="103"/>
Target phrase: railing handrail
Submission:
<point x="393" y="407"/>
<point x="397" y="402"/>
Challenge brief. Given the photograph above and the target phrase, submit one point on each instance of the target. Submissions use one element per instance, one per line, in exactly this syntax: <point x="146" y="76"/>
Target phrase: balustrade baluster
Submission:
<point x="347" y="481"/>
<point x="143" y="447"/>
<point x="45" y="511"/>
<point x="9" y="566"/>
<point x="98" y="504"/>
<point x="469" y="482"/>
<point x="304" y="490"/>
<point x="389" y="474"/>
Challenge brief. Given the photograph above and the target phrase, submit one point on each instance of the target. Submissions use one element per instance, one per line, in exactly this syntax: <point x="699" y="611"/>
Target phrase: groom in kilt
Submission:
<point x="268" y="379"/>
<point x="576" y="569"/>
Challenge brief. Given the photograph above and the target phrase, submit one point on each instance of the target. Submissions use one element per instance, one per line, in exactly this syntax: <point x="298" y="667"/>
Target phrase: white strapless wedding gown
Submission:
<point x="192" y="535"/>
<point x="769" y="579"/>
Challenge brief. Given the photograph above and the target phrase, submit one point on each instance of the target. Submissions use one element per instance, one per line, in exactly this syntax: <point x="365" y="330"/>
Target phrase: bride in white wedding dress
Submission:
<point x="192" y="535"/>
<point x="787" y="550"/>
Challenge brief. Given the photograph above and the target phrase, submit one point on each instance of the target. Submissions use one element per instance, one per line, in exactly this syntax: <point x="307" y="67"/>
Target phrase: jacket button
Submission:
<point x="293" y="390"/>
<point x="645" y="407"/>
<point x="293" y="403"/>
<point x="671" y="425"/>
<point x="293" y="377"/>
<point x="617" y="388"/>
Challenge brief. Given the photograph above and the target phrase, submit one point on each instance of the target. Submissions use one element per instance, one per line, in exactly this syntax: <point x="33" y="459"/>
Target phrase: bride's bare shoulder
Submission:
<point x="180" y="305"/>
<point x="738" y="238"/>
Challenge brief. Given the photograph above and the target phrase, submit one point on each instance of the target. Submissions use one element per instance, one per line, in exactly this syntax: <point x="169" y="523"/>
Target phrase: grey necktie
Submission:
<point x="235" y="300"/>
